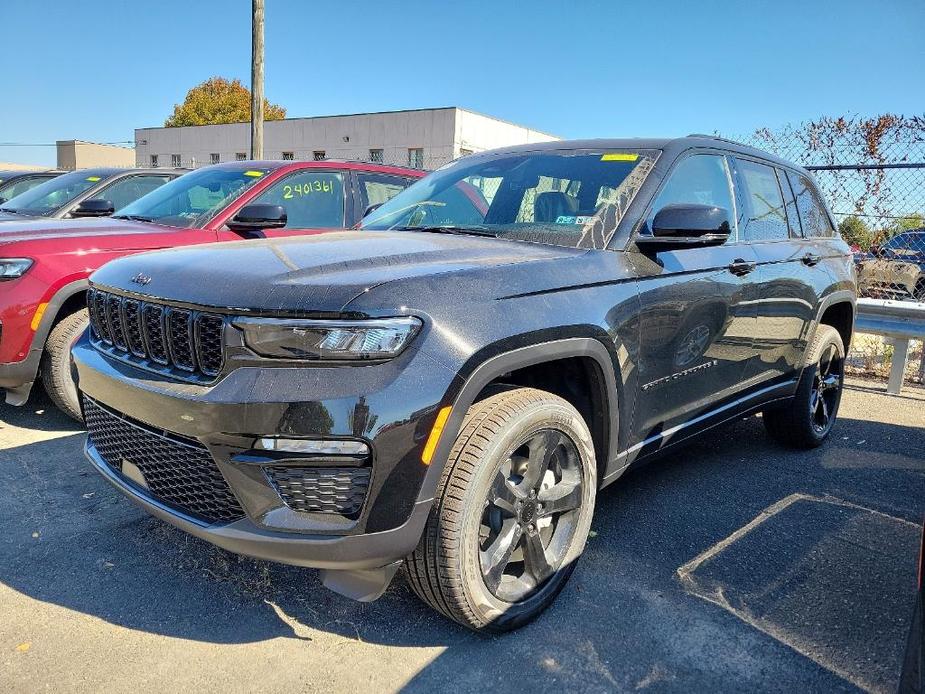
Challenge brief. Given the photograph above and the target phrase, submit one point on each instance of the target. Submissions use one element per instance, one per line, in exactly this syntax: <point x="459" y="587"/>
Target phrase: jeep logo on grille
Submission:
<point x="141" y="279"/>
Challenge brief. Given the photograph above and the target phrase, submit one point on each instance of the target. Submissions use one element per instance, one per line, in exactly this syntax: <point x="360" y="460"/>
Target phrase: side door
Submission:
<point x="314" y="200"/>
<point x="790" y="276"/>
<point x="373" y="189"/>
<point x="698" y="310"/>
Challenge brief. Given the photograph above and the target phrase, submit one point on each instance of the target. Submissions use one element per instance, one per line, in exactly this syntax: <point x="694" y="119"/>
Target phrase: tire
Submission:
<point x="485" y="516"/>
<point x="56" y="363"/>
<point x="806" y="420"/>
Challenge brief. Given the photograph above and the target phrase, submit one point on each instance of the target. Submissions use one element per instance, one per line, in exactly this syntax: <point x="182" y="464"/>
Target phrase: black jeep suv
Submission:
<point x="450" y="386"/>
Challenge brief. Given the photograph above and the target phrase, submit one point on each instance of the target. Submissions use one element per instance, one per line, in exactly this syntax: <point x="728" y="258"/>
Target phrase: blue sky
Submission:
<point x="574" y="68"/>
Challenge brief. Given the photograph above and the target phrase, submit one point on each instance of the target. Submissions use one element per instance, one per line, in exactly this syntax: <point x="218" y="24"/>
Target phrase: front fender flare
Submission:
<point x="492" y="368"/>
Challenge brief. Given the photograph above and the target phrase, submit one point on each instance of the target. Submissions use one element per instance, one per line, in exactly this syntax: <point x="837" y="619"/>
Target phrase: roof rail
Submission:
<point x="720" y="139"/>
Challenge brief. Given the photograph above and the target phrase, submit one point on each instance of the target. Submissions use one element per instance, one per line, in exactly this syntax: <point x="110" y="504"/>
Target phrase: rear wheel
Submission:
<point x="512" y="512"/>
<point x="57" y="373"/>
<point x="806" y="421"/>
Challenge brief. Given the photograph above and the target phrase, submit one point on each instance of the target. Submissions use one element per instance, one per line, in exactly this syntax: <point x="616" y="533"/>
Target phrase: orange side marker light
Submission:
<point x="431" y="446"/>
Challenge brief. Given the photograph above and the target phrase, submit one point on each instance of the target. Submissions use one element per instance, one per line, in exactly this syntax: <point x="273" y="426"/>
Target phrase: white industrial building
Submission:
<point x="423" y="138"/>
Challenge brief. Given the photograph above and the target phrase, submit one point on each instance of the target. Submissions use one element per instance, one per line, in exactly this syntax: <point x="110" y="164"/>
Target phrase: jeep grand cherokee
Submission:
<point x="449" y="387"/>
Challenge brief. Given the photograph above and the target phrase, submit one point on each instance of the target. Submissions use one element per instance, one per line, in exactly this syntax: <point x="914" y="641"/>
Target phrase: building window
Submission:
<point x="214" y="158"/>
<point x="319" y="155"/>
<point x="375" y="155"/>
<point x="287" y="156"/>
<point x="416" y="158"/>
<point x="153" y="161"/>
<point x="175" y="160"/>
<point x="240" y="156"/>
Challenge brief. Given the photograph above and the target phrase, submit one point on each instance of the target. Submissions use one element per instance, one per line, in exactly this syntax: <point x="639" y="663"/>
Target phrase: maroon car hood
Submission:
<point x="46" y="229"/>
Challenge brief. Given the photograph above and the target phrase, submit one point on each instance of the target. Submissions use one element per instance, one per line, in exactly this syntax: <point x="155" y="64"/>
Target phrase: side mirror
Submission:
<point x="875" y="250"/>
<point x="94" y="208"/>
<point x="372" y="208"/>
<point x="2" y="200"/>
<point x="687" y="226"/>
<point x="252" y="218"/>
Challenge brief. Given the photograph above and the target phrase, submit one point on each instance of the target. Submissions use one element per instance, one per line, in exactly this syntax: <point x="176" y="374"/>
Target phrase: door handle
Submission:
<point x="740" y="267"/>
<point x="811" y="259"/>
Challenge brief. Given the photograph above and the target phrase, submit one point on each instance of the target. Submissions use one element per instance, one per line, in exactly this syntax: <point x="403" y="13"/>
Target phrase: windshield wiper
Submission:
<point x="450" y="229"/>
<point x="133" y="217"/>
<point x="10" y="210"/>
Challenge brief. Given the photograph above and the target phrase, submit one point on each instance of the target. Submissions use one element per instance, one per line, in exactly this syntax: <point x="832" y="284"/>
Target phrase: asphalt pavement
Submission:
<point x="732" y="564"/>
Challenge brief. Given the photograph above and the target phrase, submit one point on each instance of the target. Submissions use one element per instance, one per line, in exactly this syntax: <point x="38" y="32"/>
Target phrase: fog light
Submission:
<point x="314" y="446"/>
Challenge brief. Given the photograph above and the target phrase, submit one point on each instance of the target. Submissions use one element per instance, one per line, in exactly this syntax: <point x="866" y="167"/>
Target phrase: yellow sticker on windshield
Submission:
<point x="619" y="156"/>
<point x="255" y="174"/>
<point x="93" y="178"/>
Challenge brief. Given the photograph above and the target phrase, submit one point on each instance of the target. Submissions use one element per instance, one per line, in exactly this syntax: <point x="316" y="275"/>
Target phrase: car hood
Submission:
<point x="311" y="274"/>
<point x="10" y="217"/>
<point x="41" y="229"/>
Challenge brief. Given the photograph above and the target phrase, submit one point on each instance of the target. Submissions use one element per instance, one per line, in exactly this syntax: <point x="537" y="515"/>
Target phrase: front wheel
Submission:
<point x="57" y="372"/>
<point x="806" y="421"/>
<point x="512" y="512"/>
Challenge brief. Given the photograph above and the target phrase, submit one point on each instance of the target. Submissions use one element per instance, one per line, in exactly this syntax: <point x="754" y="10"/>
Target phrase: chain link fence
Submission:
<point x="872" y="172"/>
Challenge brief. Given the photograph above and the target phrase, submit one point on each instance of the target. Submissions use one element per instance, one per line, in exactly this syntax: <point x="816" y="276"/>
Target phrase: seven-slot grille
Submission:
<point x="179" y="472"/>
<point x="190" y="342"/>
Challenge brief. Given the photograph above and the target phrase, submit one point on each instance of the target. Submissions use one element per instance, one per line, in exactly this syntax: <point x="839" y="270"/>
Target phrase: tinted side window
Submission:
<point x="313" y="199"/>
<point x="128" y="190"/>
<point x="376" y="189"/>
<point x="812" y="212"/>
<point x="764" y="218"/>
<point x="14" y="188"/>
<point x="701" y="179"/>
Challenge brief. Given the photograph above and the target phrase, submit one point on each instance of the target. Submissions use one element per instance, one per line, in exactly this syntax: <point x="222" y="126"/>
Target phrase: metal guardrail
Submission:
<point x="900" y="320"/>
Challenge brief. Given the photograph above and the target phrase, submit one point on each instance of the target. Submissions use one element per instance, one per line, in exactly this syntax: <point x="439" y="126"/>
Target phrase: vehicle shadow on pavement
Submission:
<point x="624" y="621"/>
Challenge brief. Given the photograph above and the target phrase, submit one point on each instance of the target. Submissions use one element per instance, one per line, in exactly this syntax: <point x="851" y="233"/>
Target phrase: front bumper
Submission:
<point x="394" y="415"/>
<point x="341" y="552"/>
<point x="17" y="378"/>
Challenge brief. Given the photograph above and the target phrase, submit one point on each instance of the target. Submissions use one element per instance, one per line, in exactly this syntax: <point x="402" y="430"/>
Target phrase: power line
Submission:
<point x="55" y="144"/>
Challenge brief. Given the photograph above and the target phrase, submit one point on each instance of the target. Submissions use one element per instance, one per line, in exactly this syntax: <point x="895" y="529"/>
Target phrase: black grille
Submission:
<point x="180" y="338"/>
<point x="133" y="333"/>
<point x="157" y="336"/>
<point x="96" y="301"/>
<point x="209" y="339"/>
<point x="321" y="490"/>
<point x="179" y="472"/>
<point x="114" y="321"/>
<point x="152" y="319"/>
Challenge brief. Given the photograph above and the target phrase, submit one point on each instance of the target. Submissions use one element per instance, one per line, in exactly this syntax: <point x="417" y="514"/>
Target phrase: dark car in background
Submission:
<point x="44" y="264"/>
<point x="895" y="269"/>
<point x="12" y="183"/>
<point x="97" y="192"/>
<point x="449" y="386"/>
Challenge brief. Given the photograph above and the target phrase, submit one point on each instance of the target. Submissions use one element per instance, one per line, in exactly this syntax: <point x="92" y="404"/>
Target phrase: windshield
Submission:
<point x="572" y="198"/>
<point x="10" y="188"/>
<point x="906" y="245"/>
<point x="191" y="200"/>
<point x="48" y="197"/>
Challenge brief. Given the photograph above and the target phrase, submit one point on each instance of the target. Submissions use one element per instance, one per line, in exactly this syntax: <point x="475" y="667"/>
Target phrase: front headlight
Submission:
<point x="328" y="339"/>
<point x="11" y="268"/>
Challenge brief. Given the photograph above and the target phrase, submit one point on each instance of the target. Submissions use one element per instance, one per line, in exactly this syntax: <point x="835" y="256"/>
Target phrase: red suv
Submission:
<point x="44" y="265"/>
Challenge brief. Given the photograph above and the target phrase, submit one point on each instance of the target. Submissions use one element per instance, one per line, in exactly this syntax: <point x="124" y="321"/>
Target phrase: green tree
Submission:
<point x="216" y="101"/>
<point x="913" y="220"/>
<point x="855" y="232"/>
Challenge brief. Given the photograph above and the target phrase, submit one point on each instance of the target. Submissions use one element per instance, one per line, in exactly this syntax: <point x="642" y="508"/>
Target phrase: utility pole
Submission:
<point x="257" y="79"/>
